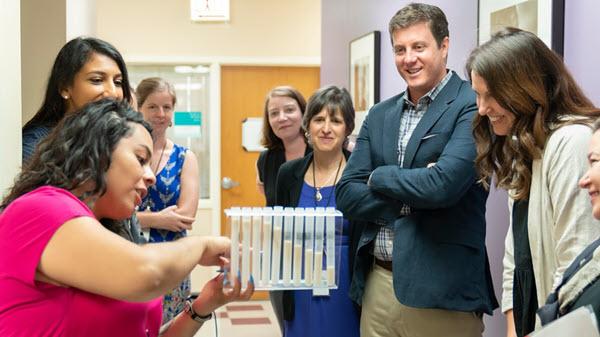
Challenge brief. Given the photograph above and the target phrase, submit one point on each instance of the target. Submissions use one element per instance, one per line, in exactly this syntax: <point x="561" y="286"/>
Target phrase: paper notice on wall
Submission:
<point x="252" y="134"/>
<point x="188" y="124"/>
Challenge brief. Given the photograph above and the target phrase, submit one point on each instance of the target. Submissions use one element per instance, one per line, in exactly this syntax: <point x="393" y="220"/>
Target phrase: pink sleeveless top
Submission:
<point x="33" y="308"/>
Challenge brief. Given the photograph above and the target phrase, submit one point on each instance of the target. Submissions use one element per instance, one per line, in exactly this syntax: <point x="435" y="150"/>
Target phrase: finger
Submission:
<point x="246" y="294"/>
<point x="186" y="219"/>
<point x="177" y="228"/>
<point x="226" y="279"/>
<point x="170" y="208"/>
<point x="183" y="218"/>
<point x="224" y="262"/>
<point x="219" y="279"/>
<point x="235" y="291"/>
<point x="173" y="228"/>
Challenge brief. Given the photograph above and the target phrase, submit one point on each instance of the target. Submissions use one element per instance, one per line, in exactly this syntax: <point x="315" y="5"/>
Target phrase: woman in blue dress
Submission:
<point x="310" y="182"/>
<point x="169" y="209"/>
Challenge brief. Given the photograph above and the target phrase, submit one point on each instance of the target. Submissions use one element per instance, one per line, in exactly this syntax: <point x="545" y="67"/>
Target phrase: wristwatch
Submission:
<point x="190" y="311"/>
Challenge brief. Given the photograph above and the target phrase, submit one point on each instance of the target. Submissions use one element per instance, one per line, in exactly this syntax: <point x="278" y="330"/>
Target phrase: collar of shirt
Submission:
<point x="431" y="95"/>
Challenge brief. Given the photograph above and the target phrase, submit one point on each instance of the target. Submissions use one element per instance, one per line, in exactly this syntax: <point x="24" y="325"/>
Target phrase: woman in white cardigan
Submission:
<point x="531" y="132"/>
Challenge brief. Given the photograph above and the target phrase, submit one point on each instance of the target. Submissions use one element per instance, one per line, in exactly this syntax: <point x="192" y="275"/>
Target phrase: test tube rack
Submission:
<point x="285" y="248"/>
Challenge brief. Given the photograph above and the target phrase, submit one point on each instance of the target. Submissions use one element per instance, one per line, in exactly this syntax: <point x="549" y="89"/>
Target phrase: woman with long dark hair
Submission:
<point x="66" y="260"/>
<point x="86" y="69"/>
<point x="531" y="133"/>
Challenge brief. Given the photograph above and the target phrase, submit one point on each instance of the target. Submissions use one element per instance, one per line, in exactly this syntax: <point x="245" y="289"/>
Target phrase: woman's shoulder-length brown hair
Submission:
<point x="269" y="139"/>
<point x="529" y="80"/>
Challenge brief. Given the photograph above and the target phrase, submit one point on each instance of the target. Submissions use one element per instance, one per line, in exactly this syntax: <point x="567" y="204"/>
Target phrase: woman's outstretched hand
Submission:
<point x="213" y="295"/>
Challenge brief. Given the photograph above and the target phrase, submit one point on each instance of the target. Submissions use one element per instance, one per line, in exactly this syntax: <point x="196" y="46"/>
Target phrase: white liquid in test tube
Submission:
<point x="330" y="232"/>
<point x="309" y="232"/>
<point x="288" y="232"/>
<point x="256" y="224"/>
<point x="298" y="241"/>
<point x="235" y="243"/>
<point x="319" y="236"/>
<point x="246" y="235"/>
<point x="318" y="270"/>
<point x="276" y="253"/>
<point x="266" y="246"/>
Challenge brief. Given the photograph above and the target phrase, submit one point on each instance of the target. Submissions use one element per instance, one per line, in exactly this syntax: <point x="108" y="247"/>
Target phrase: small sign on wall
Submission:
<point x="252" y="134"/>
<point x="188" y="124"/>
<point x="209" y="10"/>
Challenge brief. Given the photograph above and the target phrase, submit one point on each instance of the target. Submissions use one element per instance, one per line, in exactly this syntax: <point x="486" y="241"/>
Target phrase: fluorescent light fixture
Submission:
<point x="199" y="69"/>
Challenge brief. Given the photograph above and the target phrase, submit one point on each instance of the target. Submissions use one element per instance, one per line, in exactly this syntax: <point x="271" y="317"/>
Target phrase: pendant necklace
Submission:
<point x="160" y="158"/>
<point x="156" y="170"/>
<point x="318" y="195"/>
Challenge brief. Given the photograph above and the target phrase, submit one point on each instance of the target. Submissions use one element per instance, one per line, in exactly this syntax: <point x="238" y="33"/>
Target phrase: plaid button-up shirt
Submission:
<point x="411" y="116"/>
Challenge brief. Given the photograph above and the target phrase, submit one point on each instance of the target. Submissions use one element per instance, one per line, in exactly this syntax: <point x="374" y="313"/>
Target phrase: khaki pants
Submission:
<point x="384" y="316"/>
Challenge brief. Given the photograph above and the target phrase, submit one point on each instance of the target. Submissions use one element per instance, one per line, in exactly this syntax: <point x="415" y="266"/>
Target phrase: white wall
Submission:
<point x="81" y="18"/>
<point x="10" y="94"/>
<point x="259" y="32"/>
<point x="45" y="27"/>
<point x="257" y="29"/>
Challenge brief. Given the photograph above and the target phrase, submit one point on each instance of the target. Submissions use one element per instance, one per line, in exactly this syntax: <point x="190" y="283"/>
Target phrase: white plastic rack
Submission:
<point x="285" y="248"/>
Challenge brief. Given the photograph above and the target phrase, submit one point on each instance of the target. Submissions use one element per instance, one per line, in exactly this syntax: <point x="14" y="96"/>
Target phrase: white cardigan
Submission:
<point x="560" y="222"/>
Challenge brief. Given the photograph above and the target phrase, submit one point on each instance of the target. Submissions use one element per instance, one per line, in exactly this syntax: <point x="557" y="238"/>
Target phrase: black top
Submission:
<point x="524" y="291"/>
<point x="268" y="165"/>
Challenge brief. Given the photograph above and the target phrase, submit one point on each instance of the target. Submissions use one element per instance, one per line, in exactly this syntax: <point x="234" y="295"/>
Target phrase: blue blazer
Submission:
<point x="439" y="256"/>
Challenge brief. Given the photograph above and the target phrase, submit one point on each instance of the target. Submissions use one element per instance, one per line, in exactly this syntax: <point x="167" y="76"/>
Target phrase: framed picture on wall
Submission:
<point x="545" y="18"/>
<point x="364" y="74"/>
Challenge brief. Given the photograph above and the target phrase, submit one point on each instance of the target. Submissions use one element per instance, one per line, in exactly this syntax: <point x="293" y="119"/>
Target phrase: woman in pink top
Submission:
<point x="65" y="269"/>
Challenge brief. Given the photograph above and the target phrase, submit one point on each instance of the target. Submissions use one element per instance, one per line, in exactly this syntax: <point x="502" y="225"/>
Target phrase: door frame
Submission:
<point x="213" y="203"/>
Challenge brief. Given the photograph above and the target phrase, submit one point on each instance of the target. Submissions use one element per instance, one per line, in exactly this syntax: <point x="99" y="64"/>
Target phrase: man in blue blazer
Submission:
<point x="421" y="268"/>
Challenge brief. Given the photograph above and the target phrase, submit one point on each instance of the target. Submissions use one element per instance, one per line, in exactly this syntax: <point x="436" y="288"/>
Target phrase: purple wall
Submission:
<point x="344" y="20"/>
<point x="582" y="45"/>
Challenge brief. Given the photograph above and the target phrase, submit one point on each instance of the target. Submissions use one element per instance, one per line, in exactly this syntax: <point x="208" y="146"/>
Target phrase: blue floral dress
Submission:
<point x="163" y="194"/>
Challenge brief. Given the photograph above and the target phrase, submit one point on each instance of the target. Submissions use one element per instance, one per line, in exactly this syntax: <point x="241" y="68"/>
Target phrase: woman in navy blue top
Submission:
<point x="310" y="182"/>
<point x="85" y="70"/>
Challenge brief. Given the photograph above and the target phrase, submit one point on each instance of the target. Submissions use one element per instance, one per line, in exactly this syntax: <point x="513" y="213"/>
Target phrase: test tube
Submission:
<point x="288" y="236"/>
<point x="277" y="232"/>
<point x="266" y="245"/>
<point x="298" y="241"/>
<point x="330" y="230"/>
<point x="246" y="235"/>
<point x="256" y="222"/>
<point x="234" y="217"/>
<point x="319" y="236"/>
<point x="309" y="233"/>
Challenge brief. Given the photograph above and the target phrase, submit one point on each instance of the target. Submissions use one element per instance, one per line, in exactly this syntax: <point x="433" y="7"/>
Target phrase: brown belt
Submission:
<point x="384" y="264"/>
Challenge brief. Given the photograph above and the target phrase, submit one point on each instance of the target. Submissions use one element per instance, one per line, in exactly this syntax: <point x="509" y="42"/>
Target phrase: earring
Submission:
<point x="170" y="123"/>
<point x="307" y="136"/>
<point x="66" y="96"/>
